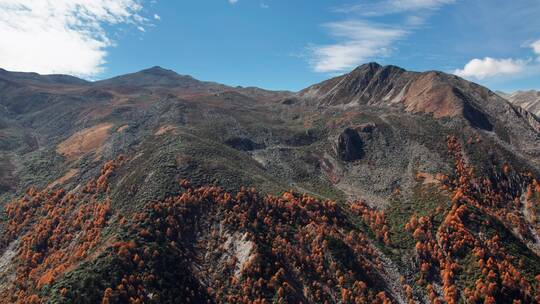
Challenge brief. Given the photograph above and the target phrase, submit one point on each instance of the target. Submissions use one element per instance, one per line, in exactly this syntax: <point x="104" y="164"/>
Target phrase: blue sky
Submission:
<point x="274" y="44"/>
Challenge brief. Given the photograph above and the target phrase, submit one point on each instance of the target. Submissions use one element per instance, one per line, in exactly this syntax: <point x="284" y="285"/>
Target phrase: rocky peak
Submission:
<point x="366" y="84"/>
<point x="162" y="72"/>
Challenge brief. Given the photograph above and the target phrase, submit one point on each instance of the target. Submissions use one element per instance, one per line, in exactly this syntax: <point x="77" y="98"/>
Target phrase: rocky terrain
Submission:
<point x="529" y="100"/>
<point x="378" y="186"/>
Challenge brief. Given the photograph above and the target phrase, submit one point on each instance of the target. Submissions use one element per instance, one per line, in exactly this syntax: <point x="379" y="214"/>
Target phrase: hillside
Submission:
<point x="379" y="186"/>
<point x="529" y="100"/>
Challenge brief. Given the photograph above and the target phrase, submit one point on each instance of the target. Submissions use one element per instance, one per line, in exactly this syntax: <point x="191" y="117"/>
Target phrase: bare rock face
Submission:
<point x="349" y="146"/>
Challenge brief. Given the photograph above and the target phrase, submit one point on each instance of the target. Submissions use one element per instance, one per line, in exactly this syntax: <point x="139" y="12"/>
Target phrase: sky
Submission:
<point x="274" y="44"/>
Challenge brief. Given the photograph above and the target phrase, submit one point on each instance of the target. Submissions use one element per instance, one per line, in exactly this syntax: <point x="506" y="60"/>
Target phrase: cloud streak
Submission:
<point x="389" y="7"/>
<point x="361" y="41"/>
<point x="359" y="38"/>
<point x="61" y="36"/>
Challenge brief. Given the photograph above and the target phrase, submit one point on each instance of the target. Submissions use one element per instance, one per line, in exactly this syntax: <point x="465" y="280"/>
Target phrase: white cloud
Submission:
<point x="361" y="41"/>
<point x="60" y="36"/>
<point x="491" y="67"/>
<point x="536" y="47"/>
<point x="387" y="7"/>
<point x="233" y="2"/>
<point x="494" y="67"/>
<point x="157" y="17"/>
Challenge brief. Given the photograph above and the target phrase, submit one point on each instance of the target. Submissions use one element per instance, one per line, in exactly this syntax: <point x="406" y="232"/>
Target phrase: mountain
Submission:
<point x="436" y="93"/>
<point x="160" y="77"/>
<point x="35" y="78"/>
<point x="528" y="100"/>
<point x="379" y="186"/>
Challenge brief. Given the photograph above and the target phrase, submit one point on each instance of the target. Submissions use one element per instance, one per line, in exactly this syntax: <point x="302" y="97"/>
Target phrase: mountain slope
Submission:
<point x="528" y="100"/>
<point x="408" y="178"/>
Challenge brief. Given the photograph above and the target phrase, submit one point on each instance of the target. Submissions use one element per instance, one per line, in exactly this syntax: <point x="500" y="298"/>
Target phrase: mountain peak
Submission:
<point x="375" y="66"/>
<point x="154" y="76"/>
<point x="159" y="77"/>
<point x="431" y="92"/>
<point x="368" y="83"/>
<point x="370" y="65"/>
<point x="369" y="70"/>
<point x="157" y="67"/>
<point x="157" y="70"/>
<point x="163" y="72"/>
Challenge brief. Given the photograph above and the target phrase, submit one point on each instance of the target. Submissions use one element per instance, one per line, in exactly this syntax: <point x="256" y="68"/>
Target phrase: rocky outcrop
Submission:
<point x="476" y="117"/>
<point x="349" y="145"/>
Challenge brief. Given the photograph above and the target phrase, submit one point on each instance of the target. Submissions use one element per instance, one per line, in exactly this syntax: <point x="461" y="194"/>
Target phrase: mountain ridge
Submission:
<point x="528" y="100"/>
<point x="157" y="72"/>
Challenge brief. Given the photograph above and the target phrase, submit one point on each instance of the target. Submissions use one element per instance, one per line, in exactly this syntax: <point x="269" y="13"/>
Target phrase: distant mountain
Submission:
<point x="528" y="100"/>
<point x="160" y="77"/>
<point x="379" y="186"/>
<point x="35" y="78"/>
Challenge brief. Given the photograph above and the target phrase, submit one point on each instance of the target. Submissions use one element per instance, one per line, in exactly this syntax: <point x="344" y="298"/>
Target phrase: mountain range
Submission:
<point x="378" y="186"/>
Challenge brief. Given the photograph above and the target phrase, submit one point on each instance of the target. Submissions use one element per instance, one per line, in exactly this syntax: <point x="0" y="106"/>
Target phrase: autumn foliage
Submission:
<point x="208" y="245"/>
<point x="56" y="231"/>
<point x="251" y="249"/>
<point x="475" y="203"/>
<point x="375" y="219"/>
